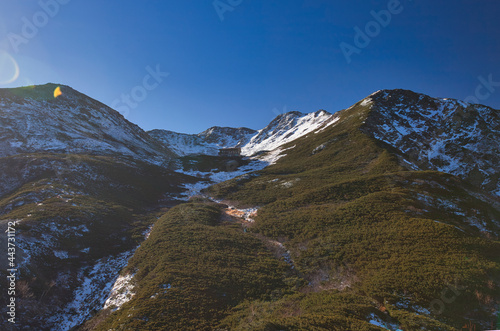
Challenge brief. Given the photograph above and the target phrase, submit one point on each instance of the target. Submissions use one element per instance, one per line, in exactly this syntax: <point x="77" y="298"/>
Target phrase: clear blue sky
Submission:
<point x="263" y="58"/>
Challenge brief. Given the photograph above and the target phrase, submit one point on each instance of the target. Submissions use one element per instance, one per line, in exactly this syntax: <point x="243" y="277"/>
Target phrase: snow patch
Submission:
<point x="61" y="254"/>
<point x="367" y="102"/>
<point x="210" y="178"/>
<point x="330" y="123"/>
<point x="285" y="128"/>
<point x="439" y="134"/>
<point x="377" y="321"/>
<point x="121" y="293"/>
<point x="96" y="283"/>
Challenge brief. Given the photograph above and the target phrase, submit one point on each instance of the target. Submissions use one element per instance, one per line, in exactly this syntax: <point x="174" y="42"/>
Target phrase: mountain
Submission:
<point x="207" y="142"/>
<point x="32" y="120"/>
<point x="231" y="137"/>
<point x="364" y="240"/>
<point x="358" y="220"/>
<point x="77" y="219"/>
<point x="430" y="133"/>
<point x="79" y="188"/>
<point x="439" y="134"/>
<point x="283" y="129"/>
<point x="182" y="143"/>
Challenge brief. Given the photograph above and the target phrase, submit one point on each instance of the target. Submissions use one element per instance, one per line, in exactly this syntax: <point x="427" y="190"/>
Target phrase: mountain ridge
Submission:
<point x="34" y="120"/>
<point x="328" y="222"/>
<point x="440" y="134"/>
<point x="282" y="129"/>
<point x="370" y="243"/>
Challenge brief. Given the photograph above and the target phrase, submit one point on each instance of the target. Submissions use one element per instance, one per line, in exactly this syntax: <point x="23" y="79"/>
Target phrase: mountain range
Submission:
<point x="384" y="215"/>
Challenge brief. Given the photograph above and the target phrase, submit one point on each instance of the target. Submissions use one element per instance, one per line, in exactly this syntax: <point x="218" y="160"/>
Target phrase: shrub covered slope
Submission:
<point x="372" y="242"/>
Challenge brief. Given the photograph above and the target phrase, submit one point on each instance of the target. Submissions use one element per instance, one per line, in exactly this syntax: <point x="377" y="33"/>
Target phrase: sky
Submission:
<point x="188" y="65"/>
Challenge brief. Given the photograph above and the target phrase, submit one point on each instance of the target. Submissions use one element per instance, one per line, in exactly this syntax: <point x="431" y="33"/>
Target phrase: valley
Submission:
<point x="356" y="220"/>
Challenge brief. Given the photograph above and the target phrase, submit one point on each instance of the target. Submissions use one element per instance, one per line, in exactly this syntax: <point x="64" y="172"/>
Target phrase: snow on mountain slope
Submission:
<point x="441" y="134"/>
<point x="207" y="142"/>
<point x="285" y="128"/>
<point x="257" y="162"/>
<point x="281" y="130"/>
<point x="232" y="137"/>
<point x="32" y="120"/>
<point x="184" y="144"/>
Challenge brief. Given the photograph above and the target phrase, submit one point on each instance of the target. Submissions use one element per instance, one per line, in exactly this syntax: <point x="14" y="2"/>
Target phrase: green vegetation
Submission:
<point x="193" y="269"/>
<point x="350" y="214"/>
<point x="86" y="207"/>
<point x="368" y="240"/>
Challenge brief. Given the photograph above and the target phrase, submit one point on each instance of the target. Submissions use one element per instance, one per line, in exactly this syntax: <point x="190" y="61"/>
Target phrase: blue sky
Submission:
<point x="263" y="58"/>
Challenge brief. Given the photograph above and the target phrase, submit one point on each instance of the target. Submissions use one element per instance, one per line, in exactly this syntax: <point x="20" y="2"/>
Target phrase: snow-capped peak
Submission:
<point x="283" y="129"/>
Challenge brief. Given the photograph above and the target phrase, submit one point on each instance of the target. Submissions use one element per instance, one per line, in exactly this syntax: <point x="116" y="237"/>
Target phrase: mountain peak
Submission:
<point x="43" y="92"/>
<point x="397" y="95"/>
<point x="439" y="134"/>
<point x="225" y="129"/>
<point x="290" y="114"/>
<point x="286" y="128"/>
<point x="36" y="119"/>
<point x="226" y="136"/>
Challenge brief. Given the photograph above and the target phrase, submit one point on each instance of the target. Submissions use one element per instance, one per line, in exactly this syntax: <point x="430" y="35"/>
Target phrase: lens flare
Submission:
<point x="57" y="92"/>
<point x="9" y="69"/>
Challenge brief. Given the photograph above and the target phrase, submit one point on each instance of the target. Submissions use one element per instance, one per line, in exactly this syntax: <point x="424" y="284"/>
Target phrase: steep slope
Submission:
<point x="283" y="129"/>
<point x="32" y="120"/>
<point x="439" y="134"/>
<point x="77" y="221"/>
<point x="195" y="266"/>
<point x="79" y="186"/>
<point x="363" y="229"/>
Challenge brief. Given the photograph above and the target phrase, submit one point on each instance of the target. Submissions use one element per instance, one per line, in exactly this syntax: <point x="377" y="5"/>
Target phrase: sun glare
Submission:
<point x="57" y="92"/>
<point x="9" y="69"/>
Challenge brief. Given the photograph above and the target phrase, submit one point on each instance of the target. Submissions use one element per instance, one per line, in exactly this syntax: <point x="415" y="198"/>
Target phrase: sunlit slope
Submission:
<point x="193" y="268"/>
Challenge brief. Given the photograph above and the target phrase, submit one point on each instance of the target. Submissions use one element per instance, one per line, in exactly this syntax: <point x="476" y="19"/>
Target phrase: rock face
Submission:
<point x="439" y="134"/>
<point x="32" y="120"/>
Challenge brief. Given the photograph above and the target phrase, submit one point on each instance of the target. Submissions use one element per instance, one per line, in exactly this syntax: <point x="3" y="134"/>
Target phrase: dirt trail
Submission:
<point x="245" y="218"/>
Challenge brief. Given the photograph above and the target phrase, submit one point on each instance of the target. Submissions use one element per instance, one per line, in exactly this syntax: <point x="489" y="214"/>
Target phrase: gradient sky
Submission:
<point x="263" y="58"/>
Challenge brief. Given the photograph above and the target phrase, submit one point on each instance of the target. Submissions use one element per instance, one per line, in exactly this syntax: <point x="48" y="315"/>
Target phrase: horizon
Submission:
<point x="184" y="67"/>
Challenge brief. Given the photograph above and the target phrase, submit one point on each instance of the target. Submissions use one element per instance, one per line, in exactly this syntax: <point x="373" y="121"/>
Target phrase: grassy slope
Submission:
<point x="350" y="213"/>
<point x="367" y="237"/>
<point x="192" y="269"/>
